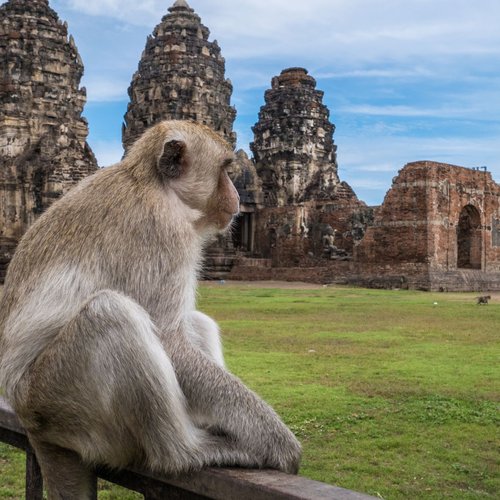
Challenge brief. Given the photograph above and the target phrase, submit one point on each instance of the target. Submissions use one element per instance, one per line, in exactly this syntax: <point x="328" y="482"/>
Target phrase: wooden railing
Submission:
<point x="214" y="483"/>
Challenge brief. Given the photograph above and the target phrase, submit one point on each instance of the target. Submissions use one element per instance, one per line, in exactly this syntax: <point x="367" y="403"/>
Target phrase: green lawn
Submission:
<point x="394" y="393"/>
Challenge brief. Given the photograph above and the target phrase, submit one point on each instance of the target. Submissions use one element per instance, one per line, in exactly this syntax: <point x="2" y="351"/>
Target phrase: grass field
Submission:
<point x="393" y="393"/>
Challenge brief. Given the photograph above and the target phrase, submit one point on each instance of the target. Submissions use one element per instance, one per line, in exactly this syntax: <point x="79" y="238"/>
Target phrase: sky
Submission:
<point x="404" y="80"/>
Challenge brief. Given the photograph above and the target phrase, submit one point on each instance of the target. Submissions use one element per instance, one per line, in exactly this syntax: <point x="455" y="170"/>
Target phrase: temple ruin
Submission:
<point x="307" y="216"/>
<point x="293" y="146"/>
<point x="180" y="77"/>
<point x="437" y="229"/>
<point x="43" y="149"/>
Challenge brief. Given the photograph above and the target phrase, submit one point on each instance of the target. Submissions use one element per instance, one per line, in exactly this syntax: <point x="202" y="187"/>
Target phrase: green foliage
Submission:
<point x="393" y="393"/>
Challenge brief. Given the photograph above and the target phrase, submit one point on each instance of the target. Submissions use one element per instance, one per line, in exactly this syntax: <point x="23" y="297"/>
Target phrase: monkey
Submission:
<point x="483" y="299"/>
<point x="103" y="355"/>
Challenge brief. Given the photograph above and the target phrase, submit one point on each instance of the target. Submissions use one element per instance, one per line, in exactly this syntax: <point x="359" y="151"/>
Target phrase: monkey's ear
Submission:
<point x="172" y="161"/>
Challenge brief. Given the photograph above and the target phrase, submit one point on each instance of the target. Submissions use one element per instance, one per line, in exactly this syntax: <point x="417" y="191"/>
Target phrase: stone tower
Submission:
<point x="180" y="76"/>
<point x="43" y="149"/>
<point x="293" y="146"/>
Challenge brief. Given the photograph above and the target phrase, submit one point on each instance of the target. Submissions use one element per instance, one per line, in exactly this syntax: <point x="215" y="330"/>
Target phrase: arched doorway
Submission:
<point x="469" y="239"/>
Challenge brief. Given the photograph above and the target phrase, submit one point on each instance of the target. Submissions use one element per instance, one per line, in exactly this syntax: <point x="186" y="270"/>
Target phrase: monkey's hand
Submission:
<point x="234" y="410"/>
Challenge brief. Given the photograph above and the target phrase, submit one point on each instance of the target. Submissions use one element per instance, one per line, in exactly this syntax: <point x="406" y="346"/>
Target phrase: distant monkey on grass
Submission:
<point x="102" y="351"/>
<point x="483" y="299"/>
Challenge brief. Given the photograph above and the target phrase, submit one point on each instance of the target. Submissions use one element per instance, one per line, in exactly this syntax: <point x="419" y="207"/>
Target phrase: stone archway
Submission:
<point x="469" y="239"/>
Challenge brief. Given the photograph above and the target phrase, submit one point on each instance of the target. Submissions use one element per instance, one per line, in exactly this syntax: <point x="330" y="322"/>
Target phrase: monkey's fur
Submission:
<point x="101" y="349"/>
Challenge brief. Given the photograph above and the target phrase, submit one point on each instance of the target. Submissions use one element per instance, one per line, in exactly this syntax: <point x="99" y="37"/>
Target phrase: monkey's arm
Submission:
<point x="234" y="409"/>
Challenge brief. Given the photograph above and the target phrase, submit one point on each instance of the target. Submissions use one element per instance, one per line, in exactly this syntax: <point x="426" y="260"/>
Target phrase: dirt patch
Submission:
<point x="287" y="285"/>
<point x="300" y="285"/>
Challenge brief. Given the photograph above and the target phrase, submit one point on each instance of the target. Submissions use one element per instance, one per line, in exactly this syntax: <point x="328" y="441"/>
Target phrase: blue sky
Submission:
<point x="404" y="80"/>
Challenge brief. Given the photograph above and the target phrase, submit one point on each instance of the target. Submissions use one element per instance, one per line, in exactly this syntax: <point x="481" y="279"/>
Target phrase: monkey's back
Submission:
<point x="106" y="222"/>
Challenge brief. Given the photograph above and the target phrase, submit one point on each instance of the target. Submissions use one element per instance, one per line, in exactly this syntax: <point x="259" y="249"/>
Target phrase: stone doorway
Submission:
<point x="243" y="232"/>
<point x="469" y="239"/>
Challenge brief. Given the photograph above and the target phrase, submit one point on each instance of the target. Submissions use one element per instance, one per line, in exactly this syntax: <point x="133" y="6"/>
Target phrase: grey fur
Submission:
<point x="101" y="349"/>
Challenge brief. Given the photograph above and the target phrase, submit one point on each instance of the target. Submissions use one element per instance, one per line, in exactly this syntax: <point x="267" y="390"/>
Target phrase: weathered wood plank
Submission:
<point x="211" y="483"/>
<point x="34" y="482"/>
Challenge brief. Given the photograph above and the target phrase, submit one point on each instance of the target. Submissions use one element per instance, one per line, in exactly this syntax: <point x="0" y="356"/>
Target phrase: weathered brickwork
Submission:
<point x="495" y="231"/>
<point x="180" y="77"/>
<point x="261" y="269"/>
<point x="43" y="149"/>
<point x="293" y="142"/>
<point x="440" y="219"/>
<point x="304" y="200"/>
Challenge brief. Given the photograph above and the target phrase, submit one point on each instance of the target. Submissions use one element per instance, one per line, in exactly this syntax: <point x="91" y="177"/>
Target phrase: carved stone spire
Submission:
<point x="180" y="76"/>
<point x="43" y="149"/>
<point x="293" y="146"/>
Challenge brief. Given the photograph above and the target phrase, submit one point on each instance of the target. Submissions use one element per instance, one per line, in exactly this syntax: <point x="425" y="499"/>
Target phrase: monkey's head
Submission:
<point x="191" y="161"/>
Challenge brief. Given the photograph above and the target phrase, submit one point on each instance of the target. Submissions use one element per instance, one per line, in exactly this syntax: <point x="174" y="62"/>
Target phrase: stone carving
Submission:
<point x="180" y="77"/>
<point x="293" y="146"/>
<point x="328" y="239"/>
<point x="330" y="250"/>
<point x="43" y="149"/>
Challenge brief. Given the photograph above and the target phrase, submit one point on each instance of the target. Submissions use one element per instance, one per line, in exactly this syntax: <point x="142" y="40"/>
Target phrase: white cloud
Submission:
<point x="417" y="72"/>
<point x="387" y="155"/>
<point x="368" y="183"/>
<point x="137" y="13"/>
<point x="348" y="31"/>
<point x="379" y="167"/>
<point x="402" y="111"/>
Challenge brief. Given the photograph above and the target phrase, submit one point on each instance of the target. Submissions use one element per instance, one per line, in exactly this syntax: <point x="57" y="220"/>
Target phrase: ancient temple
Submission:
<point x="293" y="147"/>
<point x="43" y="149"/>
<point x="307" y="215"/>
<point x="180" y="77"/>
<point x="438" y="229"/>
